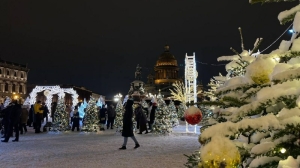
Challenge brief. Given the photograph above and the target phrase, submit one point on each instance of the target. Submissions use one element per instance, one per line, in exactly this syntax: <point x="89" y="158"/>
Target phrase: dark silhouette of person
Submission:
<point x="75" y="120"/>
<point x="102" y="117"/>
<point x="14" y="120"/>
<point x="111" y="115"/>
<point x="128" y="125"/>
<point x="6" y="118"/>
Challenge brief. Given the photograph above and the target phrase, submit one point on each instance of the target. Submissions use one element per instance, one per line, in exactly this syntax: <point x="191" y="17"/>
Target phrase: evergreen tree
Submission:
<point x="162" y="123"/>
<point x="258" y="111"/>
<point x="61" y="118"/>
<point x="119" y="117"/>
<point x="91" y="120"/>
<point x="173" y="116"/>
<point x="181" y="109"/>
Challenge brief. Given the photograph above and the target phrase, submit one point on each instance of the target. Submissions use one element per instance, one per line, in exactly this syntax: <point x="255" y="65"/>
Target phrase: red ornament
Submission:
<point x="193" y="115"/>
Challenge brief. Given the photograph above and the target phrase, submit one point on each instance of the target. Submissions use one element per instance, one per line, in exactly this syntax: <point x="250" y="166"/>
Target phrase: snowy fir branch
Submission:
<point x="208" y="103"/>
<point x="250" y="92"/>
<point x="288" y="55"/>
<point x="242" y="88"/>
<point x="233" y="102"/>
<point x="289" y="100"/>
<point x="288" y="15"/>
<point x="268" y="1"/>
<point x="193" y="160"/>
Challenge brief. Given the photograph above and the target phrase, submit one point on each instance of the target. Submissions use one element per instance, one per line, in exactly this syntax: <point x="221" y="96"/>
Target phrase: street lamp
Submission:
<point x="117" y="97"/>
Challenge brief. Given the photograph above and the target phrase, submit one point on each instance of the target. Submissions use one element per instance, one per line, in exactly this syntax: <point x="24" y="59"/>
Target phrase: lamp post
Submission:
<point x="118" y="97"/>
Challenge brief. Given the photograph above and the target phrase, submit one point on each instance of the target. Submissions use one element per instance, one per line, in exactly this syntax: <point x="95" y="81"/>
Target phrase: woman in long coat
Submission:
<point x="128" y="125"/>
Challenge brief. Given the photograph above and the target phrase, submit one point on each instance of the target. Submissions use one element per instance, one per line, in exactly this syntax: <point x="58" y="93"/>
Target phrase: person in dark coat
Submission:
<point x="102" y="117"/>
<point x="6" y="116"/>
<point x="128" y="125"/>
<point x="111" y="115"/>
<point x="141" y="117"/>
<point x="14" y="120"/>
<point x="152" y="114"/>
<point x="75" y="119"/>
<point x="45" y="111"/>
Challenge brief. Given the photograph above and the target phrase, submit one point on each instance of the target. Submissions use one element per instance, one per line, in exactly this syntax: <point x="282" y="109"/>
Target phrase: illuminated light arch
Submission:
<point x="49" y="91"/>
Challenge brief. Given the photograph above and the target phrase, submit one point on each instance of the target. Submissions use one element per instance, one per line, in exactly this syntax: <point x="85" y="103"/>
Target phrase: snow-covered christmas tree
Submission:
<point x="173" y="116"/>
<point x="119" y="117"/>
<point x="91" y="120"/>
<point x="180" y="112"/>
<point x="61" y="118"/>
<point x="162" y="123"/>
<point x="259" y="110"/>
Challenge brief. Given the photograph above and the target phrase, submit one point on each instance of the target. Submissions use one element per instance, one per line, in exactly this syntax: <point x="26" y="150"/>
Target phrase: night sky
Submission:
<point x="97" y="44"/>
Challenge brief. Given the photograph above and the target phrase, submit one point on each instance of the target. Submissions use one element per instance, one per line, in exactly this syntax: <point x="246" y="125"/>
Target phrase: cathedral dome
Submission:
<point x="166" y="58"/>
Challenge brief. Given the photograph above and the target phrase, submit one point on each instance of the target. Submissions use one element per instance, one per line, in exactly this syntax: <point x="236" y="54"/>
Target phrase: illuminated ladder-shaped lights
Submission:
<point x="190" y="82"/>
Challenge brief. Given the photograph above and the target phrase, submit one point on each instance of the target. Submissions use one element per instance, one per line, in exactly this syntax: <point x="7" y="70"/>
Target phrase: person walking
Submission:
<point x="111" y="115"/>
<point x="128" y="125"/>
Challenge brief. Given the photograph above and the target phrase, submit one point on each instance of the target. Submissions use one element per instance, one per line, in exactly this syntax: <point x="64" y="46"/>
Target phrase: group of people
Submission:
<point x="16" y="118"/>
<point x="107" y="117"/>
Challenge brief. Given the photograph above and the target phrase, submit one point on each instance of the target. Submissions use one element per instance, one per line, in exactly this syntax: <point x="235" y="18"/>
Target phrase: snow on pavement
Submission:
<point x="79" y="149"/>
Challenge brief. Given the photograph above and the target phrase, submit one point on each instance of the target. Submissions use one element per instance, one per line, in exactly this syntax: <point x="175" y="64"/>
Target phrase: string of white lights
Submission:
<point x="276" y="39"/>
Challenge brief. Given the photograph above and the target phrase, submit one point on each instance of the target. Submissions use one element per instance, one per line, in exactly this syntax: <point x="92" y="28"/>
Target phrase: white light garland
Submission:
<point x="49" y="91"/>
<point x="191" y="75"/>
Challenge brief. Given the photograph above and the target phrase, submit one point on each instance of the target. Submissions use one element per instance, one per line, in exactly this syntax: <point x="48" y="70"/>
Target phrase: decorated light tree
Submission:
<point x="258" y="111"/>
<point x="163" y="124"/>
<point x="61" y="118"/>
<point x="173" y="116"/>
<point x="178" y="93"/>
<point x="91" y="120"/>
<point x="119" y="117"/>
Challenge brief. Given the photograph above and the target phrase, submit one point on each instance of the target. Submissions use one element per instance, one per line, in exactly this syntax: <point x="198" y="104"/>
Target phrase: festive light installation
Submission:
<point x="191" y="75"/>
<point x="49" y="91"/>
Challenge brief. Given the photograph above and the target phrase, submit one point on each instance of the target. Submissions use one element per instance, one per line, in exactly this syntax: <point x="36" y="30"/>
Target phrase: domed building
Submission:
<point x="166" y="73"/>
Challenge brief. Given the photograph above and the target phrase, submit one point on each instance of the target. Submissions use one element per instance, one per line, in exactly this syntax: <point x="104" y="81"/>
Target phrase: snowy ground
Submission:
<point x="78" y="149"/>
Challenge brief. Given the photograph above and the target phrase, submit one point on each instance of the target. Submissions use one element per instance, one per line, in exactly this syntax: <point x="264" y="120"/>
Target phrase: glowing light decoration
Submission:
<point x="282" y="150"/>
<point x="81" y="108"/>
<point x="49" y="91"/>
<point x="191" y="75"/>
<point x="118" y="97"/>
<point x="99" y="102"/>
